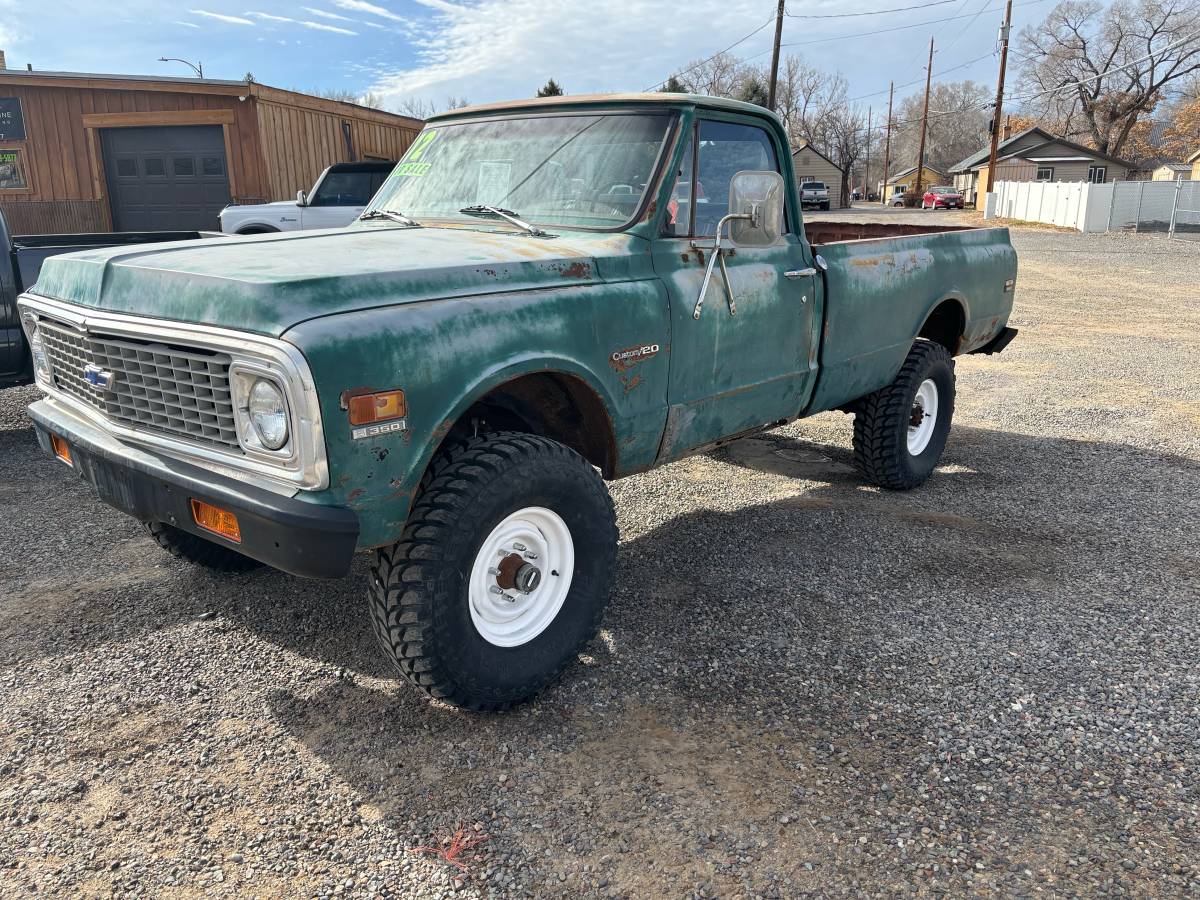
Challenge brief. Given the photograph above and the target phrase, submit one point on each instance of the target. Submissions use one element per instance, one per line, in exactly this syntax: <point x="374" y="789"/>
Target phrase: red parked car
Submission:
<point x="942" y="196"/>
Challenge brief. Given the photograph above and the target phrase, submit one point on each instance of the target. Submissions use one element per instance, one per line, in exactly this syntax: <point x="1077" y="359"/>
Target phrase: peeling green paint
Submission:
<point x="450" y="312"/>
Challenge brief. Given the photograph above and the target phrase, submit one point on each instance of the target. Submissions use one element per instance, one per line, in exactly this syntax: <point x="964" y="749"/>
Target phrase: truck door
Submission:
<point x="746" y="364"/>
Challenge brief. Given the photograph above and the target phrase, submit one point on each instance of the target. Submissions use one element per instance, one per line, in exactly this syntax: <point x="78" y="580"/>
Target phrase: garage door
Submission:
<point x="166" y="178"/>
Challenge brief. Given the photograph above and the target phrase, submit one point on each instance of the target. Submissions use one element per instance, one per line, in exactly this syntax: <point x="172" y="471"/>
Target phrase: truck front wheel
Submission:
<point x="502" y="574"/>
<point x="198" y="551"/>
<point x="900" y="431"/>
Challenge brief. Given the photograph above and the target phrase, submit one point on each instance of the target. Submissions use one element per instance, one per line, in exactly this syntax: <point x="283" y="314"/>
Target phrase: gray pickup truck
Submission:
<point x="21" y="260"/>
<point x="814" y="193"/>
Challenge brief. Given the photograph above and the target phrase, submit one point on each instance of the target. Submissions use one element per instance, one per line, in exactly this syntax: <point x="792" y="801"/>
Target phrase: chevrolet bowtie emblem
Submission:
<point x="98" y="378"/>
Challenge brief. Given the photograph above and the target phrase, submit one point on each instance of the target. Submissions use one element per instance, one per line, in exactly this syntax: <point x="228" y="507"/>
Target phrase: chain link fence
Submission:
<point x="1145" y="207"/>
<point x="1185" y="222"/>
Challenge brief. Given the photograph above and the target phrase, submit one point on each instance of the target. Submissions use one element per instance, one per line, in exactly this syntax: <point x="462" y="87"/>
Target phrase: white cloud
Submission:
<point x="500" y="49"/>
<point x="220" y="17"/>
<point x="316" y="26"/>
<point x="188" y="24"/>
<point x="325" y="14"/>
<point x="370" y="9"/>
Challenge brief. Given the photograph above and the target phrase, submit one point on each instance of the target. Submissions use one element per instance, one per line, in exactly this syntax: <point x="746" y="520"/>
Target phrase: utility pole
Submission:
<point x="887" y="149"/>
<point x="867" y="169"/>
<point x="775" y="57"/>
<point x="1004" y="30"/>
<point x="924" y="120"/>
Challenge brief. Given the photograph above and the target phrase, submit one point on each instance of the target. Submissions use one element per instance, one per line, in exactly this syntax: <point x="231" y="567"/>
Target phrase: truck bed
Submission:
<point x="883" y="283"/>
<point x="836" y="232"/>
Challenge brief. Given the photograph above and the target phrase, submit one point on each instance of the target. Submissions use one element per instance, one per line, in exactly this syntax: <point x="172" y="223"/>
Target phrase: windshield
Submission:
<point x="813" y="186"/>
<point x="577" y="170"/>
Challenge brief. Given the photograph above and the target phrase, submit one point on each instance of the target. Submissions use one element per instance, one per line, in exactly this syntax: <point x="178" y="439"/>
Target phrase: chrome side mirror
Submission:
<point x="301" y="199"/>
<point x="756" y="220"/>
<point x="758" y="196"/>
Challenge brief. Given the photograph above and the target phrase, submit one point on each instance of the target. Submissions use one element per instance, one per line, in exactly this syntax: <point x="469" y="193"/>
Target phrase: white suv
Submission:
<point x="338" y="198"/>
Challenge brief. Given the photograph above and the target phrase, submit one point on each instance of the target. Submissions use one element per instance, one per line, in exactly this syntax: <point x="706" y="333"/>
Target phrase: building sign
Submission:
<point x="12" y="123"/>
<point x="12" y="171"/>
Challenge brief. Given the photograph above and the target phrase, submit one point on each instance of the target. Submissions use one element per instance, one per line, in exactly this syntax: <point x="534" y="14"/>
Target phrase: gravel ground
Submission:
<point x="803" y="685"/>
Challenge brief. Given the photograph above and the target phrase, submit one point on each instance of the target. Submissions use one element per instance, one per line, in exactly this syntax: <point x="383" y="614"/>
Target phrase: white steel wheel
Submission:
<point x="924" y="417"/>
<point x="521" y="576"/>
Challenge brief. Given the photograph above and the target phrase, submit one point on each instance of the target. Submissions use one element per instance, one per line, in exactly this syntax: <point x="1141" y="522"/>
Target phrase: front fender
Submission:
<point x="446" y="354"/>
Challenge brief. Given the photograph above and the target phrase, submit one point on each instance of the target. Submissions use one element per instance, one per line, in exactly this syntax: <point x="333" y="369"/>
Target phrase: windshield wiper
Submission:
<point x="506" y="214"/>
<point x="388" y="214"/>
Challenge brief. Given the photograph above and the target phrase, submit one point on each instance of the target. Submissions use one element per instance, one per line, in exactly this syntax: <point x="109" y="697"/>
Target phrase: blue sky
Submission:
<point x="494" y="49"/>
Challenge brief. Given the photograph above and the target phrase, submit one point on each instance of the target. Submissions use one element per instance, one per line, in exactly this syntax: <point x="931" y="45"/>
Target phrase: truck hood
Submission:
<point x="269" y="283"/>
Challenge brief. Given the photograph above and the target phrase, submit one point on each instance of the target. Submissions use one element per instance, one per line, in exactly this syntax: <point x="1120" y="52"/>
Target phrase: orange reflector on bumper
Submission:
<point x="217" y="520"/>
<point x="367" y="408"/>
<point x="61" y="449"/>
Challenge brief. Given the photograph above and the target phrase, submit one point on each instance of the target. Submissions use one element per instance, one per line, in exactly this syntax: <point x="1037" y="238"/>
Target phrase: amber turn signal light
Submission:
<point x="61" y="449"/>
<point x="217" y="520"/>
<point x="367" y="408"/>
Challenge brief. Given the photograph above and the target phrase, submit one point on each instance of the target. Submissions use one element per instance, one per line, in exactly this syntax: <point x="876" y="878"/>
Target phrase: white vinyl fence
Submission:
<point x="1167" y="207"/>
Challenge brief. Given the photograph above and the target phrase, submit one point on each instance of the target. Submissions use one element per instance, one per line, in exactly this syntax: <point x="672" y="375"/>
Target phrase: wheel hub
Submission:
<point x="922" y="419"/>
<point x="521" y="576"/>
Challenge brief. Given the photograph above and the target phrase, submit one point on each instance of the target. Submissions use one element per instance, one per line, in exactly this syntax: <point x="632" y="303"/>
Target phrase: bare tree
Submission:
<point x="719" y="76"/>
<point x="420" y="108"/>
<point x="1091" y="61"/>
<point x="958" y="120"/>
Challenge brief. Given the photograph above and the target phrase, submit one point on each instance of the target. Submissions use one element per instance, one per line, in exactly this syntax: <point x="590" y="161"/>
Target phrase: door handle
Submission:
<point x="801" y="273"/>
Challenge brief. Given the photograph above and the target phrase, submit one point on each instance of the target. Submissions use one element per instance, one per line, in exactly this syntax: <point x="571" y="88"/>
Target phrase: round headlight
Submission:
<point x="268" y="414"/>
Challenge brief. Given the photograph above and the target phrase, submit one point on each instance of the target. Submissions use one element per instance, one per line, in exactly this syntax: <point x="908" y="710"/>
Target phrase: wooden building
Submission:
<point x="109" y="152"/>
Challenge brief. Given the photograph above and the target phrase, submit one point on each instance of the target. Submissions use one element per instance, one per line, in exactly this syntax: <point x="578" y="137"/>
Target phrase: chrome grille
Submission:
<point x="178" y="391"/>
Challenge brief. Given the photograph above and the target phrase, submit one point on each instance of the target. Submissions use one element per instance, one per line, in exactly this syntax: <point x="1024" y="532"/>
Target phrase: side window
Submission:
<point x="343" y="189"/>
<point x="726" y="148"/>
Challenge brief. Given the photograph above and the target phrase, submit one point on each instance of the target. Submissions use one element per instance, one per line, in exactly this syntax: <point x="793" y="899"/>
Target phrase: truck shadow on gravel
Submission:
<point x="774" y="681"/>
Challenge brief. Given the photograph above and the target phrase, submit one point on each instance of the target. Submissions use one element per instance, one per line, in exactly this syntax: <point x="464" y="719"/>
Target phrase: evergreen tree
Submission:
<point x="674" y="86"/>
<point x="550" y="89"/>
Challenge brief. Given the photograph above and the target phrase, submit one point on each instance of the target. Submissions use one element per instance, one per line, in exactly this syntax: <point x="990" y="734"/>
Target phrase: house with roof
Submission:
<point x="1171" y="172"/>
<point x="811" y="164"/>
<point x="906" y="180"/>
<point x="1194" y="161"/>
<point x="1037" y="155"/>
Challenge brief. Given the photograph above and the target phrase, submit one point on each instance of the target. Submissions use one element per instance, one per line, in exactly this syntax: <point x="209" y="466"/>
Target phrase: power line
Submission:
<point x="861" y="34"/>
<point x="967" y="27"/>
<point x="1107" y="72"/>
<point x="877" y="12"/>
<point x="714" y="56"/>
<point x="969" y="62"/>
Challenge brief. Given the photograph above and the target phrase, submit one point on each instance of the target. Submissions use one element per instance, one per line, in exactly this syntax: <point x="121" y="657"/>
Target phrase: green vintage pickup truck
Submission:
<point x="544" y="294"/>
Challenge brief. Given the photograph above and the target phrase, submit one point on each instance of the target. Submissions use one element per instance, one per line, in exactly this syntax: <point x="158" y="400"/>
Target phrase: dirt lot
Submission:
<point x="803" y="684"/>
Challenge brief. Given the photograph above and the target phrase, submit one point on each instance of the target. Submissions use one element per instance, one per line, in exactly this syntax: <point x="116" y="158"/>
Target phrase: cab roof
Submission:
<point x="600" y="101"/>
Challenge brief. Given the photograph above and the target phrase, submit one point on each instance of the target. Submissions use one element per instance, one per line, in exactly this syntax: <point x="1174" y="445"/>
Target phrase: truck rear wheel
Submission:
<point x="502" y="574"/>
<point x="900" y="431"/>
<point x="184" y="545"/>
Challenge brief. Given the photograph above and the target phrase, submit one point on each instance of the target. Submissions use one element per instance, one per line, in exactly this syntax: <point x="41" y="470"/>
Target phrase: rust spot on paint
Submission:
<point x="355" y="494"/>
<point x="380" y="453"/>
<point x="576" y="270"/>
<point x="630" y="384"/>
<point x="650" y="211"/>
<point x="443" y="429"/>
